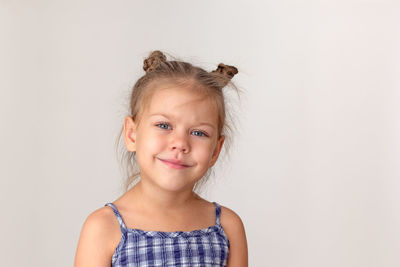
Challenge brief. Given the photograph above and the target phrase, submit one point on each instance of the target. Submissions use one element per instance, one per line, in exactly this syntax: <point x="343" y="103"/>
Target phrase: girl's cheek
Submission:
<point x="203" y="152"/>
<point x="156" y="141"/>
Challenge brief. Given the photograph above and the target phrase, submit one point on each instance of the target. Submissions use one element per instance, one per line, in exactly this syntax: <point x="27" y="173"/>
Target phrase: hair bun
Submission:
<point x="153" y="60"/>
<point x="226" y="71"/>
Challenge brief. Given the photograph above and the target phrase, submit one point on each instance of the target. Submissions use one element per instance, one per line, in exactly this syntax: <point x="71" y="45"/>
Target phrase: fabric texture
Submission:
<point x="208" y="247"/>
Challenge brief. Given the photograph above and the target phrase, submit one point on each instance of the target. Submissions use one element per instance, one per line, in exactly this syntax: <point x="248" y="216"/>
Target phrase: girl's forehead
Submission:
<point x="179" y="98"/>
<point x="181" y="101"/>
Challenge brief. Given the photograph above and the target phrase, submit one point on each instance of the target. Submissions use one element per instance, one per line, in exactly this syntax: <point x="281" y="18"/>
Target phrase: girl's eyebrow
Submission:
<point x="166" y="116"/>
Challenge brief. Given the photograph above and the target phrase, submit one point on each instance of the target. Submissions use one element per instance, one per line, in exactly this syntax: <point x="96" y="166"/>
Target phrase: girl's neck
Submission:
<point x="150" y="197"/>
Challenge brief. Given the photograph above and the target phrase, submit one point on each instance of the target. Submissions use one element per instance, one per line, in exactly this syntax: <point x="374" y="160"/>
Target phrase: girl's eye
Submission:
<point x="201" y="133"/>
<point x="162" y="124"/>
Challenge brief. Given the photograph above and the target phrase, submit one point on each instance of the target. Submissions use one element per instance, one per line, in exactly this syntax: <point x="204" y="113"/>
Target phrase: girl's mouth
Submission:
<point x="173" y="165"/>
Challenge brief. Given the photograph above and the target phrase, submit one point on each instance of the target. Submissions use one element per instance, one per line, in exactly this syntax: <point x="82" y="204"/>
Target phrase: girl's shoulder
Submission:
<point x="104" y="218"/>
<point x="234" y="229"/>
<point x="230" y="220"/>
<point x="98" y="239"/>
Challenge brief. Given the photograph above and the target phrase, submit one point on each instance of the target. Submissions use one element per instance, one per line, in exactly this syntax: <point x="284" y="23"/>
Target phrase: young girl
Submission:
<point x="174" y="133"/>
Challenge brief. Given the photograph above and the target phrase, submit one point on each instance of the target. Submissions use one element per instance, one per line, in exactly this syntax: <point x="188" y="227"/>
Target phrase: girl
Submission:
<point x="174" y="133"/>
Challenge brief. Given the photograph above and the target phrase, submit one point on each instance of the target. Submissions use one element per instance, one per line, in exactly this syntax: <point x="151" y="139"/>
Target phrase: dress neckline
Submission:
<point x="154" y="233"/>
<point x="197" y="232"/>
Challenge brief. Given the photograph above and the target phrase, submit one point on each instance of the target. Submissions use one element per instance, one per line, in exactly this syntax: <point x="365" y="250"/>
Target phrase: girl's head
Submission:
<point x="177" y="113"/>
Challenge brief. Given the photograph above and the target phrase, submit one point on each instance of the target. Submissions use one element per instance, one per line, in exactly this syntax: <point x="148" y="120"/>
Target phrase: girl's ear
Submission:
<point x="130" y="133"/>
<point x="217" y="150"/>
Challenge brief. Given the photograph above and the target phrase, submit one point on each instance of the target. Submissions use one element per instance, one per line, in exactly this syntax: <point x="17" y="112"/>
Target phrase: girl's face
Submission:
<point x="176" y="139"/>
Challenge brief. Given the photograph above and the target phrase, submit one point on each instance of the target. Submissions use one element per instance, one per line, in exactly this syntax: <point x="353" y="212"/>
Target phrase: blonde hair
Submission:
<point x="159" y="71"/>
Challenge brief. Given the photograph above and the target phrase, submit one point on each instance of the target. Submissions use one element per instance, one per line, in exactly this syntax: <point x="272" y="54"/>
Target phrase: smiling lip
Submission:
<point x="174" y="164"/>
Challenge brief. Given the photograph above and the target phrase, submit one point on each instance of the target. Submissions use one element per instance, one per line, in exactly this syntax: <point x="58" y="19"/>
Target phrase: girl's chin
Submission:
<point x="175" y="184"/>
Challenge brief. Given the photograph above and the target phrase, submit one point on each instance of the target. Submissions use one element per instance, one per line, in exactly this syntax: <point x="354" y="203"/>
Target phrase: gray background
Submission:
<point x="314" y="170"/>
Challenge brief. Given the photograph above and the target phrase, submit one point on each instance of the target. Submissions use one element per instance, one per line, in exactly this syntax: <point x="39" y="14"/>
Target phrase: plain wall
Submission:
<point x="314" y="170"/>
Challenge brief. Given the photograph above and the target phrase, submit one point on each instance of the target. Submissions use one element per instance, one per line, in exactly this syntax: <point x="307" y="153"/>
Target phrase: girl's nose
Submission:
<point x="180" y="142"/>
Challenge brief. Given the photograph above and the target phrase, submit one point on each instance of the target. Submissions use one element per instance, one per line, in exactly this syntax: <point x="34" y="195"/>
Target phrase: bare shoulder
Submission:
<point x="235" y="231"/>
<point x="98" y="239"/>
<point x="230" y="219"/>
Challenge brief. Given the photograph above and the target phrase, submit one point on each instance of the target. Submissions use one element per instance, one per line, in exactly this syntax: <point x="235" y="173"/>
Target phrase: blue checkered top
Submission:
<point x="208" y="247"/>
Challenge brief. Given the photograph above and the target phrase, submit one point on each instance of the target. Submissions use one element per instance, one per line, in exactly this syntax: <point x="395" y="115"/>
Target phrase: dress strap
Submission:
<point x="118" y="215"/>
<point x="217" y="213"/>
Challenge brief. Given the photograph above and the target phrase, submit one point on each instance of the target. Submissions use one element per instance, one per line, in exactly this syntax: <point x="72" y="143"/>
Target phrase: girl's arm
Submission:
<point x="95" y="241"/>
<point x="234" y="229"/>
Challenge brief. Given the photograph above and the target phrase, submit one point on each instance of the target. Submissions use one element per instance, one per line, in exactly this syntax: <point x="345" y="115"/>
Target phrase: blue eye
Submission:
<point x="201" y="133"/>
<point x="162" y="124"/>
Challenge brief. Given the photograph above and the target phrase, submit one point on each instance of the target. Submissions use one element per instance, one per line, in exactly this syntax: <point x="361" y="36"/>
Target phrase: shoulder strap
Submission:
<point x="118" y="215"/>
<point x="217" y="213"/>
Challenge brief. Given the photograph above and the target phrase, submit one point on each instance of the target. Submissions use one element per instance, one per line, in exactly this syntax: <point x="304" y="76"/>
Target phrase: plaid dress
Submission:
<point x="208" y="247"/>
